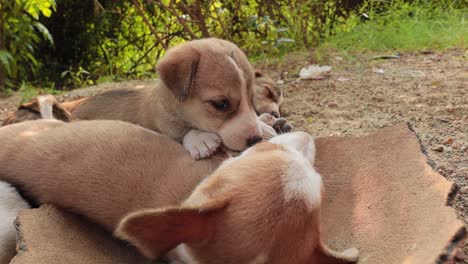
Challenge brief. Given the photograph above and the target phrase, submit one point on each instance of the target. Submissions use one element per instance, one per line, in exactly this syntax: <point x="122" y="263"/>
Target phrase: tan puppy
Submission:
<point x="267" y="101"/>
<point x="204" y="96"/>
<point x="268" y="95"/>
<point x="240" y="213"/>
<point x="206" y="85"/>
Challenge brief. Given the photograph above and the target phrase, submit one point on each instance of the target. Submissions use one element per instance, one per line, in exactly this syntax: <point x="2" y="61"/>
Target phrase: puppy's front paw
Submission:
<point x="267" y="131"/>
<point x="201" y="144"/>
<point x="282" y="126"/>
<point x="267" y="119"/>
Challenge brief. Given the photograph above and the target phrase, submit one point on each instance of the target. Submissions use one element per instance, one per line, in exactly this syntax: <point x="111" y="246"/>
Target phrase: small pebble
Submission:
<point x="438" y="148"/>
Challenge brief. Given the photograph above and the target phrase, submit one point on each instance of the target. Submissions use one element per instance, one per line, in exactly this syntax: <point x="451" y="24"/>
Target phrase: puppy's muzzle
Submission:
<point x="253" y="140"/>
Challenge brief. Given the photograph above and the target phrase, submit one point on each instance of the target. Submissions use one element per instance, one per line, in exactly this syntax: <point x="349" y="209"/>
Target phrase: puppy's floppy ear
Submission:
<point x="178" y="69"/>
<point x="157" y="231"/>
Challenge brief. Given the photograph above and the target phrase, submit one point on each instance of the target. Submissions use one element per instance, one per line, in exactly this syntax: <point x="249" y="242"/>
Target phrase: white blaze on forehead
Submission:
<point x="301" y="181"/>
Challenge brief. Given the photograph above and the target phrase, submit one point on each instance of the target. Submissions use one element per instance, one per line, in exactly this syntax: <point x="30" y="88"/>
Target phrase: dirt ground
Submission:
<point x="429" y="90"/>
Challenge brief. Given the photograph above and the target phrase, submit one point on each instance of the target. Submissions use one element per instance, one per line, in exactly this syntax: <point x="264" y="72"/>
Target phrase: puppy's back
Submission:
<point x="100" y="169"/>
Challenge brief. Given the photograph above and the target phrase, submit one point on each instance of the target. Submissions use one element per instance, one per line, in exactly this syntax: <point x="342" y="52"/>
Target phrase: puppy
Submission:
<point x="205" y="89"/>
<point x="268" y="95"/>
<point x="239" y="213"/>
<point x="10" y="205"/>
<point x="108" y="105"/>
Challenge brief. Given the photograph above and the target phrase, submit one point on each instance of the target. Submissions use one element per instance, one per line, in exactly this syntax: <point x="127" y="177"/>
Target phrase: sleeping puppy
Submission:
<point x="204" y="93"/>
<point x="268" y="95"/>
<point x="217" y="210"/>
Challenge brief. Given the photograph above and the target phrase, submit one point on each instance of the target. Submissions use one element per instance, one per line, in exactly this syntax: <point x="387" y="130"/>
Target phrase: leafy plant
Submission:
<point x="78" y="78"/>
<point x="20" y="34"/>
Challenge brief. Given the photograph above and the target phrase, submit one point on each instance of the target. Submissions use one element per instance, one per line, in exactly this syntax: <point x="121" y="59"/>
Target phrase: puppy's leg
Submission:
<point x="46" y="103"/>
<point x="268" y="132"/>
<point x="10" y="205"/>
<point x="201" y="144"/>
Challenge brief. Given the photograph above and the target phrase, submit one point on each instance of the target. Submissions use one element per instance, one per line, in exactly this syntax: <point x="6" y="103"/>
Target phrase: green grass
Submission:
<point x="28" y="91"/>
<point x="421" y="25"/>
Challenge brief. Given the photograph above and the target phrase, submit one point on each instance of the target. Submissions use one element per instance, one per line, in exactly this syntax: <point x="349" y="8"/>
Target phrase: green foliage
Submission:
<point x="81" y="77"/>
<point x="402" y="25"/>
<point x="20" y="34"/>
<point x="125" y="38"/>
<point x="28" y="91"/>
<point x="77" y="43"/>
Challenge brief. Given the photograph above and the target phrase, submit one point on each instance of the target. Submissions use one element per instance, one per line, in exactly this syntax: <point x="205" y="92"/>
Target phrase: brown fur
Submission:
<point x="146" y="187"/>
<point x="193" y="76"/>
<point x="32" y="111"/>
<point x="268" y="99"/>
<point x="268" y="95"/>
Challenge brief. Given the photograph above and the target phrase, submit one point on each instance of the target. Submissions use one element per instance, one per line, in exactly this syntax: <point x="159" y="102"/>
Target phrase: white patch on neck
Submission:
<point x="301" y="181"/>
<point x="260" y="259"/>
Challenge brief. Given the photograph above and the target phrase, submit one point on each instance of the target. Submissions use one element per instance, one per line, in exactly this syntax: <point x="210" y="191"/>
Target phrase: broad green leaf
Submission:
<point x="6" y="59"/>
<point x="46" y="12"/>
<point x="45" y="32"/>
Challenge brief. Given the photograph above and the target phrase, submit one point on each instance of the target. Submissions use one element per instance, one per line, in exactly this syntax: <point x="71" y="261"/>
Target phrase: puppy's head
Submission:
<point x="42" y="107"/>
<point x="214" y="82"/>
<point x="268" y="95"/>
<point x="260" y="207"/>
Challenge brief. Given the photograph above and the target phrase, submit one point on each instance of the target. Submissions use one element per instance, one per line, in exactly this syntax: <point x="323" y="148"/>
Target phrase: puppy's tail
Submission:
<point x="325" y="255"/>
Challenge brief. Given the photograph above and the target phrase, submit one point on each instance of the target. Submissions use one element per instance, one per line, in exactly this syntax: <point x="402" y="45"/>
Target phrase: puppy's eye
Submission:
<point x="221" y="105"/>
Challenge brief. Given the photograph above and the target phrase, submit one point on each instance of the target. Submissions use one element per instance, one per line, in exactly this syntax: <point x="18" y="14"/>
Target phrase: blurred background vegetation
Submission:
<point x="61" y="44"/>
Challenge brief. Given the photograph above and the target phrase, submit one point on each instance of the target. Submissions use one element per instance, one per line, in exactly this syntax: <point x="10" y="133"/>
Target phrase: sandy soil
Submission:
<point x="428" y="89"/>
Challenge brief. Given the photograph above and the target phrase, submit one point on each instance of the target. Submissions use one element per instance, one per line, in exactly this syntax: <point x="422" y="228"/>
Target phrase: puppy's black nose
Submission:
<point x="253" y="140"/>
<point x="275" y="114"/>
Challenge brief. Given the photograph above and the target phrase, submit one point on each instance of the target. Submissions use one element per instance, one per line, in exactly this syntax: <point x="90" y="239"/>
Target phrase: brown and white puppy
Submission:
<point x="205" y="85"/>
<point x="267" y="101"/>
<point x="205" y="94"/>
<point x="268" y="95"/>
<point x="238" y="213"/>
